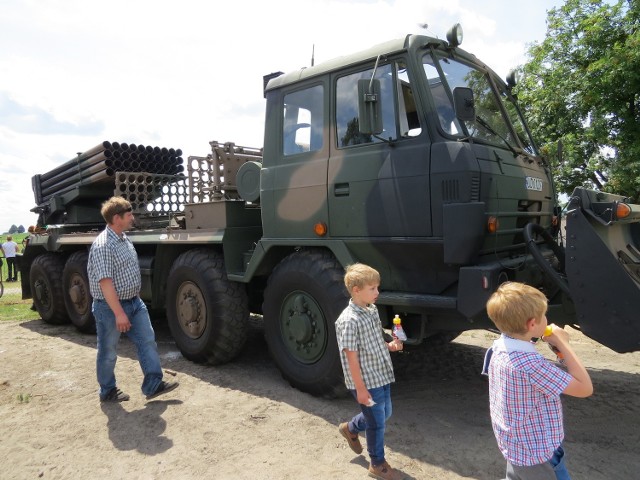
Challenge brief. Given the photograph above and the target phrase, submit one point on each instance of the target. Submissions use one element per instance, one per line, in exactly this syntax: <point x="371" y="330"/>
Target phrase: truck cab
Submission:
<point x="430" y="199"/>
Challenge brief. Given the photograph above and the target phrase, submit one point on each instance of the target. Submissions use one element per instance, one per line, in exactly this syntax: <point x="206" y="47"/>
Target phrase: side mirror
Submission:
<point x="464" y="104"/>
<point x="512" y="79"/>
<point x="369" y="107"/>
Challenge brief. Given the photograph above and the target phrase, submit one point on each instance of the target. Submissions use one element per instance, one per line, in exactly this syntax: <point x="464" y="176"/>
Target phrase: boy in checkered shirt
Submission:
<point x="525" y="388"/>
<point x="367" y="367"/>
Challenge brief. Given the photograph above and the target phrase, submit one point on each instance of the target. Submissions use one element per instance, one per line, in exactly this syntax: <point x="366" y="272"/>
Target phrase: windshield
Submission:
<point x="490" y="125"/>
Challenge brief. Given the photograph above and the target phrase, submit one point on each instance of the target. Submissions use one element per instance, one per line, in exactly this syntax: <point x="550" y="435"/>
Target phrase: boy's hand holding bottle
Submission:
<point x="557" y="338"/>
<point x="398" y="335"/>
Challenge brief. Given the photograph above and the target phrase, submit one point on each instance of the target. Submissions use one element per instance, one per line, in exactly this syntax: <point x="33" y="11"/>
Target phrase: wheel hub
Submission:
<point x="78" y="294"/>
<point x="190" y="306"/>
<point x="41" y="292"/>
<point x="302" y="327"/>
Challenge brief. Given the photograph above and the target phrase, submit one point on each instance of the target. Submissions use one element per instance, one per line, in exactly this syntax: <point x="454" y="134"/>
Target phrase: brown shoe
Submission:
<point x="352" y="438"/>
<point x="385" y="472"/>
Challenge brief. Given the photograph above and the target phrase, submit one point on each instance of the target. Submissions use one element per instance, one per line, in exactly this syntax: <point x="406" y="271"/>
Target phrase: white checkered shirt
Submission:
<point x="359" y="329"/>
<point x="114" y="257"/>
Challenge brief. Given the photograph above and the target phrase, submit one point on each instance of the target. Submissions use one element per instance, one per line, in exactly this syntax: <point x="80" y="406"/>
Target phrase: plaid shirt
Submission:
<point x="114" y="257"/>
<point x="359" y="329"/>
<point x="524" y="396"/>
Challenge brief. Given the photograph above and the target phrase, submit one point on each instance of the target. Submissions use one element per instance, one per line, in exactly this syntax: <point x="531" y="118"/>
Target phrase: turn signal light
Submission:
<point x="622" y="210"/>
<point x="320" y="229"/>
<point x="492" y="224"/>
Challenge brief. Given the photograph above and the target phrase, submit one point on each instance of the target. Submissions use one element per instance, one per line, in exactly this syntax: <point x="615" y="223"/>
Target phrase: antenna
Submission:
<point x="425" y="27"/>
<point x="313" y="53"/>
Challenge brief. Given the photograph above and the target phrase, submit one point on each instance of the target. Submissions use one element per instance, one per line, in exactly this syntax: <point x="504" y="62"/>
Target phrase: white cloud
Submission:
<point x="179" y="74"/>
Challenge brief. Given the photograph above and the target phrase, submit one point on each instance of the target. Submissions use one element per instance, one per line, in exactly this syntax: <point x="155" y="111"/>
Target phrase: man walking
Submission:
<point x="115" y="282"/>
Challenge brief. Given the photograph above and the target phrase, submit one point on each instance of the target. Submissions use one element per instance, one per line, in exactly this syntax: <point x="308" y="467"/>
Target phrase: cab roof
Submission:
<point x="339" y="63"/>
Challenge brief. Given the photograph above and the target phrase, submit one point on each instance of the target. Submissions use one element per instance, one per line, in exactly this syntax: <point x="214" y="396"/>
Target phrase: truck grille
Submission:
<point x="451" y="191"/>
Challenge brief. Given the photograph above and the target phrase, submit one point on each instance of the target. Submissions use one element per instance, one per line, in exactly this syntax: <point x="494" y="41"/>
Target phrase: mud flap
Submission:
<point x="601" y="263"/>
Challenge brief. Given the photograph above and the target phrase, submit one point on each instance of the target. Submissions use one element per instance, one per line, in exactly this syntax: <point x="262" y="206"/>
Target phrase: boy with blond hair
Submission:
<point x="525" y="388"/>
<point x="367" y="367"/>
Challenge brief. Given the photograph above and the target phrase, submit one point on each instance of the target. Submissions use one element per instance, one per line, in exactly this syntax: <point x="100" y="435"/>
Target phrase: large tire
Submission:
<point x="208" y="315"/>
<point x="303" y="299"/>
<point x="77" y="296"/>
<point x="46" y="286"/>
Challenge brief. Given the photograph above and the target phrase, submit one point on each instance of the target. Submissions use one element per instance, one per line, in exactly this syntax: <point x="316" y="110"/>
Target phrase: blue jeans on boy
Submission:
<point x="555" y="468"/>
<point x="141" y="334"/>
<point x="372" y="421"/>
<point x="559" y="467"/>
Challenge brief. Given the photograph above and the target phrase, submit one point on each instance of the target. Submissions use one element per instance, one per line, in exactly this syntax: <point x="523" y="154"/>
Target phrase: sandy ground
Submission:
<point x="243" y="420"/>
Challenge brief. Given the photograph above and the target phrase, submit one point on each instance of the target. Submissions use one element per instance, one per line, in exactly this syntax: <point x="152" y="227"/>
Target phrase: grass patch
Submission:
<point x="12" y="307"/>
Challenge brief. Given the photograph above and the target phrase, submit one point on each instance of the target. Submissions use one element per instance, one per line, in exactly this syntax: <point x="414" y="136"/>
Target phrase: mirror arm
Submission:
<point x="373" y="75"/>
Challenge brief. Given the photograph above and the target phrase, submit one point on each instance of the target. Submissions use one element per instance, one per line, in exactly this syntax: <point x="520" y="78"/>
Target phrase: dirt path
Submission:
<point x="243" y="421"/>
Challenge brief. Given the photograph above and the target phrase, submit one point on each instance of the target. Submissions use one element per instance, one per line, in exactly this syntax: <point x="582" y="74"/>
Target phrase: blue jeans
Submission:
<point x="141" y="334"/>
<point x="555" y="468"/>
<point x="559" y="467"/>
<point x="372" y="420"/>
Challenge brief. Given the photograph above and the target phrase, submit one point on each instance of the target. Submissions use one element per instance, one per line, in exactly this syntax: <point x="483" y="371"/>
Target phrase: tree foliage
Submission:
<point x="581" y="87"/>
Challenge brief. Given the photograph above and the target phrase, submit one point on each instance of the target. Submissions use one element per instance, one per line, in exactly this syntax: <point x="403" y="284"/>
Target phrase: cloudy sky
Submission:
<point x="168" y="73"/>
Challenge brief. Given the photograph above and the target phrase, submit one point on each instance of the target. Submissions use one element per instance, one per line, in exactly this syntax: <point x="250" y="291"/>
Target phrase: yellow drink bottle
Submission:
<point x="548" y="331"/>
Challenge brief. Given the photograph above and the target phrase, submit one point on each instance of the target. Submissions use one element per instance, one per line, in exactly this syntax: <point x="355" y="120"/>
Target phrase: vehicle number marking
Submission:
<point x="533" y="183"/>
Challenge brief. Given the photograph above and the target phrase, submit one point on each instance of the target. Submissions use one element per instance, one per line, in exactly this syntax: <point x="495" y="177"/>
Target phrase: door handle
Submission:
<point x="341" y="190"/>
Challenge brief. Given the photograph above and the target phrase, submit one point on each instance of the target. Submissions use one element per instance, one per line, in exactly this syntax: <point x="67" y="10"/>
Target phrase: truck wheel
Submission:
<point x="77" y="296"/>
<point x="303" y="299"/>
<point x="46" y="286"/>
<point x="208" y="315"/>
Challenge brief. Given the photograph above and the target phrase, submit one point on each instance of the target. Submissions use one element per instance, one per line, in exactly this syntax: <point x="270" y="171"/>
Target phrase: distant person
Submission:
<point x="525" y="388"/>
<point x="114" y="281"/>
<point x="367" y="367"/>
<point x="10" y="249"/>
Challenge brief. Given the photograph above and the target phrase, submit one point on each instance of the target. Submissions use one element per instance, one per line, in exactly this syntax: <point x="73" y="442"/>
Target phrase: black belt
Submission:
<point x="120" y="299"/>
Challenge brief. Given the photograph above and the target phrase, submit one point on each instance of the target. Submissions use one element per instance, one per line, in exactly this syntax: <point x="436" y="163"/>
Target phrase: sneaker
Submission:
<point x="385" y="472"/>
<point x="115" y="395"/>
<point x="352" y="438"/>
<point x="164" y="387"/>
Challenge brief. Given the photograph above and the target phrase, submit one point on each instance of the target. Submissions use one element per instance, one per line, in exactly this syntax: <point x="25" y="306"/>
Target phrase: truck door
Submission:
<point x="294" y="195"/>
<point x="378" y="186"/>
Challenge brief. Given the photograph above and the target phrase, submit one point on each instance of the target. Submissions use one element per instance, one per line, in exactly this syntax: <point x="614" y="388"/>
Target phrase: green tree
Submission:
<point x="581" y="87"/>
<point x="13" y="229"/>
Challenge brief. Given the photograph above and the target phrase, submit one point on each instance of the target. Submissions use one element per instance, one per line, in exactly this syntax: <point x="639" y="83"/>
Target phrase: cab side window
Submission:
<point x="407" y="105"/>
<point x="396" y="95"/>
<point x="347" y="126"/>
<point x="303" y="121"/>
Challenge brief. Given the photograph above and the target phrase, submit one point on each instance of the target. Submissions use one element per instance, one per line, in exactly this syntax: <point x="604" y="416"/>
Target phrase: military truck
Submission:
<point x="412" y="157"/>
